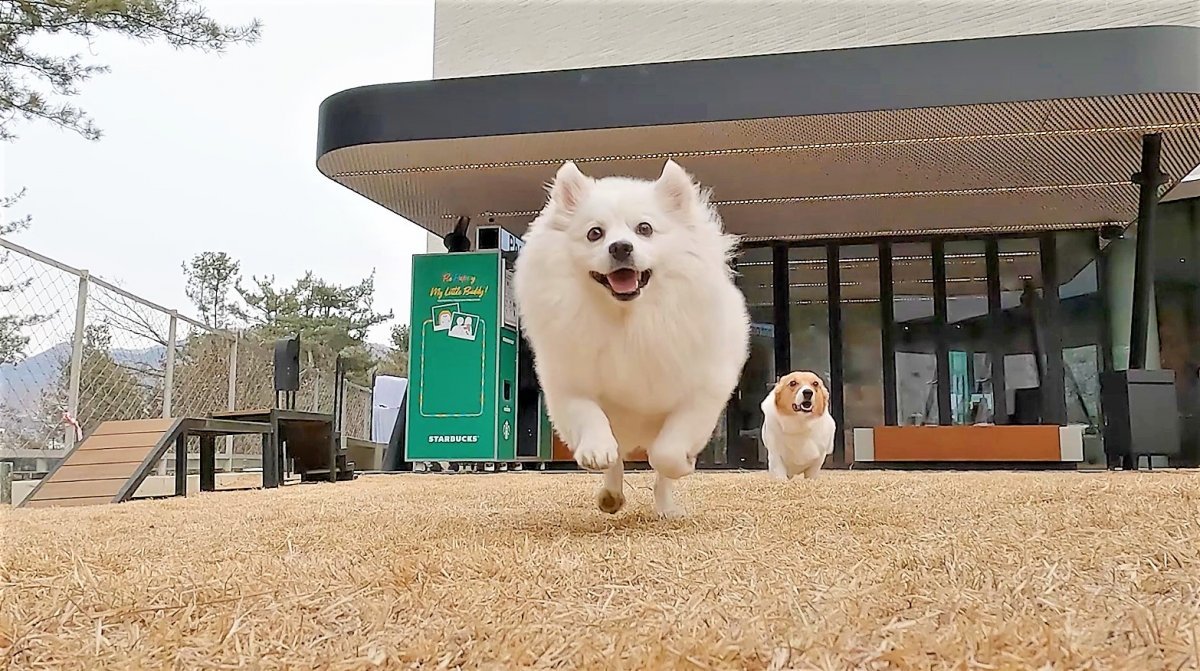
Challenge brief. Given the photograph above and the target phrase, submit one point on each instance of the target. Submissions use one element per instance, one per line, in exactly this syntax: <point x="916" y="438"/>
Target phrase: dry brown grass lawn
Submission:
<point x="856" y="570"/>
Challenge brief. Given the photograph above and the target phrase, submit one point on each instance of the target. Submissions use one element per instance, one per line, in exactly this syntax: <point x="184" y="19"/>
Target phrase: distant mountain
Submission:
<point x="28" y="377"/>
<point x="23" y="384"/>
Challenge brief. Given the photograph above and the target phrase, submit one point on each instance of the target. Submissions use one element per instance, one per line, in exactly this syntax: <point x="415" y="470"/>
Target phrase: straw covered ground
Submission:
<point x="854" y="570"/>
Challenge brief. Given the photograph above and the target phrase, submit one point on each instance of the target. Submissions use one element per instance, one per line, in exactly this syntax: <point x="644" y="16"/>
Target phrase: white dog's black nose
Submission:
<point x="620" y="250"/>
<point x="807" y="394"/>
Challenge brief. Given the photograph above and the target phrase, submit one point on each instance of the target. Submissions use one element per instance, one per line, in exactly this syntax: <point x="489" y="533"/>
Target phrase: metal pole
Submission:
<point x="995" y="333"/>
<point x="1149" y="179"/>
<point x="231" y="398"/>
<point x="168" y="379"/>
<point x="940" y="317"/>
<point x="5" y="482"/>
<point x="887" y="340"/>
<point x="77" y="354"/>
<point x="833" y="289"/>
<point x="780" y="298"/>
<point x="336" y="431"/>
<point x="181" y="465"/>
<point x="368" y="415"/>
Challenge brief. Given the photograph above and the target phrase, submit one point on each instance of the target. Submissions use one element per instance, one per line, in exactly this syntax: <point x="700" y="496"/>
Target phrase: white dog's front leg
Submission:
<point x="664" y="497"/>
<point x="611" y="496"/>
<point x="586" y="429"/>
<point x="673" y="453"/>
<point x="776" y="468"/>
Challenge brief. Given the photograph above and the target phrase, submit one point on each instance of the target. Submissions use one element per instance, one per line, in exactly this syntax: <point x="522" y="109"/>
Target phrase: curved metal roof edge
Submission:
<point x="1182" y="191"/>
<point x="1081" y="64"/>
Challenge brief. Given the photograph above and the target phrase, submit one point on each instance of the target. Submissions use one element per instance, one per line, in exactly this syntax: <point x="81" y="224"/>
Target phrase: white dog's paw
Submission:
<point x="669" y="510"/>
<point x="609" y="501"/>
<point x="779" y="476"/>
<point x="596" y="455"/>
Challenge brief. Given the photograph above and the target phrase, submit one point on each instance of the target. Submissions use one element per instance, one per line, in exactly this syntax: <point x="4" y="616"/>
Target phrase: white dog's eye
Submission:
<point x="595" y="233"/>
<point x="643" y="229"/>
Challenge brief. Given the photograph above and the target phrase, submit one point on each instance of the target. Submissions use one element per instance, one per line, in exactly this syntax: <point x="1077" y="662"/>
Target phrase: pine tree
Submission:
<point x="332" y="320"/>
<point x="13" y="323"/>
<point x="37" y="84"/>
<point x="211" y="277"/>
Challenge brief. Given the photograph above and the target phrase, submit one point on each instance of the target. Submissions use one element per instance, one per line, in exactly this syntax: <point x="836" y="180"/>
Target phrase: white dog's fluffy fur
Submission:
<point x="639" y="334"/>
<point x="798" y="429"/>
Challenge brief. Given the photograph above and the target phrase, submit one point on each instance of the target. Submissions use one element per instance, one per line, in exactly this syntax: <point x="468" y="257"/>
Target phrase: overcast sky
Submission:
<point x="217" y="152"/>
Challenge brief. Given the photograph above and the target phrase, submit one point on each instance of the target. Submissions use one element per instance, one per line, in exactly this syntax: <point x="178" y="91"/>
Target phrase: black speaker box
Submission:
<point x="287" y="364"/>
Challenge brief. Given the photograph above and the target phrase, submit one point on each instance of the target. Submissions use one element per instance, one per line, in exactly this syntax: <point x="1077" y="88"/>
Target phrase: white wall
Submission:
<point x="479" y="37"/>
<point x="434" y="244"/>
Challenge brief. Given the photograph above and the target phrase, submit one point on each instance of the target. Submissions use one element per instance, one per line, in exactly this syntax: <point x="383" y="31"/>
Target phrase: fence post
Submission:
<point x="169" y="379"/>
<point x="231" y="398"/>
<point x="6" y="482"/>
<point x="77" y="355"/>
<point x="368" y="422"/>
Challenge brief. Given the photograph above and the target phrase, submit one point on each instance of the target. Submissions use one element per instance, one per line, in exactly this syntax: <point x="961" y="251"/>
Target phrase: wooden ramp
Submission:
<point x="107" y="467"/>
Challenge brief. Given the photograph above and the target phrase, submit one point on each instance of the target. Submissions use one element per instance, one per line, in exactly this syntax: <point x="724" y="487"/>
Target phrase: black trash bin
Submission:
<point x="1141" y="415"/>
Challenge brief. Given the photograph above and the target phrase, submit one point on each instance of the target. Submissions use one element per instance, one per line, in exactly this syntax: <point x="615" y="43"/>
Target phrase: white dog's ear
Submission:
<point x="569" y="187"/>
<point x="676" y="188"/>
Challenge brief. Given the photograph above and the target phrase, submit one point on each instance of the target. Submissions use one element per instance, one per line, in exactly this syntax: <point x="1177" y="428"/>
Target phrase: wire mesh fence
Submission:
<point x="37" y="321"/>
<point x="76" y="351"/>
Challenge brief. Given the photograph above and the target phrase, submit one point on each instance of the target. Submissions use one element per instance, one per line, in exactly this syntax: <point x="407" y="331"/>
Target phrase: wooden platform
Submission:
<point x="100" y="468"/>
<point x="309" y="439"/>
<point x="112" y="462"/>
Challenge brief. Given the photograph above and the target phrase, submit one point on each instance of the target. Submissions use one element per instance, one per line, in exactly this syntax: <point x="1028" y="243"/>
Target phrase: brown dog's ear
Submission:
<point x="823" y="392"/>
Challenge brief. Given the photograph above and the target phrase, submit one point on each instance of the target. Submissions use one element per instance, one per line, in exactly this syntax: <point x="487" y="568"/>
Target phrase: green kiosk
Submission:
<point x="473" y="395"/>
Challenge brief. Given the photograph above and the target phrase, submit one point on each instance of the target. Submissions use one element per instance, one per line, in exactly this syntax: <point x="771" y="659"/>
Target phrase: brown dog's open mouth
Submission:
<point x="803" y="406"/>
<point x="624" y="284"/>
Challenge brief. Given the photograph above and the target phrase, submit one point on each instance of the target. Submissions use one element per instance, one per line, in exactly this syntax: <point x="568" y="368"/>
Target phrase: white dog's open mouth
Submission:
<point x="624" y="284"/>
<point x="803" y="406"/>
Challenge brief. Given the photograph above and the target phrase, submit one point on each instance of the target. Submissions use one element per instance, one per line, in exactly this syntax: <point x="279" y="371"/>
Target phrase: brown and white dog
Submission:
<point x="798" y="429"/>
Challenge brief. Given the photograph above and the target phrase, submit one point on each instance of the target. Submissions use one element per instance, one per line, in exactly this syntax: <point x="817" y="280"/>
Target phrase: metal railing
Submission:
<point x="78" y="350"/>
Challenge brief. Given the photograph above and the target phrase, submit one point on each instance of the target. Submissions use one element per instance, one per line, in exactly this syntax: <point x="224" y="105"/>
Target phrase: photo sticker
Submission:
<point x="443" y="316"/>
<point x="463" y="326"/>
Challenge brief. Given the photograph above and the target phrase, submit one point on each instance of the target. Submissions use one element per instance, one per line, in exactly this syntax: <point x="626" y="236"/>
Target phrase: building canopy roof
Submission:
<point x="1031" y="132"/>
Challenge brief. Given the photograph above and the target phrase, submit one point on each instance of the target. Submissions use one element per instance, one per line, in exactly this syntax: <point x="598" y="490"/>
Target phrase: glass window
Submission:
<point x="744" y="418"/>
<point x="1081" y="311"/>
<point x="862" y="335"/>
<point x="915" y="333"/>
<point x="1020" y="283"/>
<point x="808" y="280"/>
<point x="967" y="330"/>
<point x="809" y="310"/>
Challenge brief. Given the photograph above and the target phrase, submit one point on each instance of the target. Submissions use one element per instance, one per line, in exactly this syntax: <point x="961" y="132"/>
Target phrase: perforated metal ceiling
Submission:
<point x="1006" y="166"/>
<point x="1016" y="133"/>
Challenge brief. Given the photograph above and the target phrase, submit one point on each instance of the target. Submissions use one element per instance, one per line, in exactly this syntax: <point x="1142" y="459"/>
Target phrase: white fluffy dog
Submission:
<point x="639" y="335"/>
<point x="798" y="430"/>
